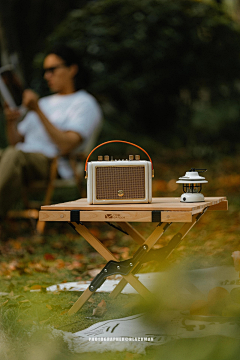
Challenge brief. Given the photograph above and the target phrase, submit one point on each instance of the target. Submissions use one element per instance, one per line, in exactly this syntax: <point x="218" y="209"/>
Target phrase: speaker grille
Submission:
<point x="120" y="182"/>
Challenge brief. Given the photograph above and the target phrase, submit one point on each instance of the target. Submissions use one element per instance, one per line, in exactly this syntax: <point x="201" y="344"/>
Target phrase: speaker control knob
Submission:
<point x="106" y="157"/>
<point x="100" y="158"/>
<point x="131" y="157"/>
<point x="137" y="157"/>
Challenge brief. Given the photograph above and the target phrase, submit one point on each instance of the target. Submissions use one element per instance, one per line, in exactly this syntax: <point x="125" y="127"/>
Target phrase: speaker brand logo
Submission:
<point x="120" y="193"/>
<point x="114" y="216"/>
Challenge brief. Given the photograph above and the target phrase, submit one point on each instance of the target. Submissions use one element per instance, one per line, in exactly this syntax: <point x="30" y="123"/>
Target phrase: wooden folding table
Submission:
<point x="162" y="211"/>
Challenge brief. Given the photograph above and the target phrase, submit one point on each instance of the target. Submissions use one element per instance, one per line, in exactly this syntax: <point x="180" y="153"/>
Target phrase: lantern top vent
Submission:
<point x="192" y="176"/>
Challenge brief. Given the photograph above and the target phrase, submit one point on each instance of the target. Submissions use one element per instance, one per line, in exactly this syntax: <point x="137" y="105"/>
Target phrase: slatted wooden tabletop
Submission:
<point x="165" y="209"/>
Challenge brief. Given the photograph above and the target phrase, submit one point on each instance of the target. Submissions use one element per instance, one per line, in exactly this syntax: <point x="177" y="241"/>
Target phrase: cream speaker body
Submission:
<point x="119" y="181"/>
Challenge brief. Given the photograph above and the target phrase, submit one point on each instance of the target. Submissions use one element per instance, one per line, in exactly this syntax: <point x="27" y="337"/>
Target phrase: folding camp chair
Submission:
<point x="31" y="208"/>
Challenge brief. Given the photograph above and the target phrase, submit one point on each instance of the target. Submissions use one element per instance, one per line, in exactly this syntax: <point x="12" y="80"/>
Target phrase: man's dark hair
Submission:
<point x="71" y="57"/>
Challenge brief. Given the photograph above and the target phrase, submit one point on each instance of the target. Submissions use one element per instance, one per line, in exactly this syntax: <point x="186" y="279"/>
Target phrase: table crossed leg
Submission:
<point x="162" y="254"/>
<point x="129" y="276"/>
<point x="102" y="250"/>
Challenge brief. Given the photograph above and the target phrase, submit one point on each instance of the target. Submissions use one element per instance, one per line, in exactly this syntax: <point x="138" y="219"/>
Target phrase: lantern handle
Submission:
<point x="198" y="170"/>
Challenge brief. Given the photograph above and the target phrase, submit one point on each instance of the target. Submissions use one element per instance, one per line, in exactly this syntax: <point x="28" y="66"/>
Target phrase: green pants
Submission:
<point x="18" y="169"/>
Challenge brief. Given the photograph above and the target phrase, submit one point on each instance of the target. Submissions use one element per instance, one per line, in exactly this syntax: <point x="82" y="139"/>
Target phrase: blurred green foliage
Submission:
<point x="162" y="70"/>
<point x="26" y="24"/>
<point x="168" y="69"/>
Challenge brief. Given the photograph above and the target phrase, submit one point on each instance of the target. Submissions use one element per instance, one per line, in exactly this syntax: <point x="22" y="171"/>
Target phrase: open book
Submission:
<point x="11" y="89"/>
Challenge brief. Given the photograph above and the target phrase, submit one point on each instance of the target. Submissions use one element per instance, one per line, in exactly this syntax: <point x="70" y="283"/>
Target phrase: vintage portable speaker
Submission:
<point x="119" y="181"/>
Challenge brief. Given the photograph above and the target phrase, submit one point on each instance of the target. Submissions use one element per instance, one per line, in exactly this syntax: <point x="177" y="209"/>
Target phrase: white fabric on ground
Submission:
<point x="203" y="279"/>
<point x="136" y="333"/>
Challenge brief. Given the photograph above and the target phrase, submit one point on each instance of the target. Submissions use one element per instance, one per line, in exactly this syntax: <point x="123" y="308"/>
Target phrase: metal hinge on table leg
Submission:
<point x="117" y="267"/>
<point x="162" y="253"/>
<point x="149" y="256"/>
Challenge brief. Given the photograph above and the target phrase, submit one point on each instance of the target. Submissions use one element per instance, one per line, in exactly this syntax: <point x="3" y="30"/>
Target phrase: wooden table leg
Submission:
<point x="150" y="242"/>
<point x="135" y="283"/>
<point x="80" y="301"/>
<point x="176" y="239"/>
<point x="130" y="278"/>
<point x="135" y="235"/>
<point x="94" y="242"/>
<point x="102" y="250"/>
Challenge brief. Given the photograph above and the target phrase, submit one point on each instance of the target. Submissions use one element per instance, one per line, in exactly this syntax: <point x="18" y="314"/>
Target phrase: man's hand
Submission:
<point x="30" y="100"/>
<point x="11" y="115"/>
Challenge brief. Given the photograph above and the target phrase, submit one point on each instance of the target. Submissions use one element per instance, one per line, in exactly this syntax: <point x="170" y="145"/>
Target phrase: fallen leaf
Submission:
<point x="55" y="292"/>
<point x="91" y="300"/>
<point x="57" y="245"/>
<point x="27" y="271"/>
<point x="74" y="265"/>
<point x="49" y="307"/>
<point x="60" y="264"/>
<point x="78" y="256"/>
<point x="36" y="287"/>
<point x="13" y="265"/>
<point x="131" y="356"/>
<point x="100" y="309"/>
<point x="74" y="272"/>
<point x="16" y="245"/>
<point x="14" y="297"/>
<point x="4" y="303"/>
<point x="64" y="312"/>
<point x="49" y="257"/>
<point x="40" y="268"/>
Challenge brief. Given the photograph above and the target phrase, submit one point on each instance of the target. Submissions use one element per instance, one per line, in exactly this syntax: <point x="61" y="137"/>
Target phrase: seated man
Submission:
<point x="54" y="125"/>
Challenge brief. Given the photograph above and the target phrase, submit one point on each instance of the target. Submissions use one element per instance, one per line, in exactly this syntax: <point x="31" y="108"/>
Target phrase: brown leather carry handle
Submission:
<point x="122" y="141"/>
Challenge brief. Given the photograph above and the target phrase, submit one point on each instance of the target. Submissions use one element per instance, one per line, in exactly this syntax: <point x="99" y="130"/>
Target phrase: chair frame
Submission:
<point x="31" y="211"/>
<point x="32" y="208"/>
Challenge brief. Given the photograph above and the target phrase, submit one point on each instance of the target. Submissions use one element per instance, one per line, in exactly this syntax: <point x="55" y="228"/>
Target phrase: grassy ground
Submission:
<point x="30" y="262"/>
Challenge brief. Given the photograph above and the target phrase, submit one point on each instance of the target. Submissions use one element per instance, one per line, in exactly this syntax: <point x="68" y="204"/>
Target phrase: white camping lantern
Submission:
<point x="192" y="185"/>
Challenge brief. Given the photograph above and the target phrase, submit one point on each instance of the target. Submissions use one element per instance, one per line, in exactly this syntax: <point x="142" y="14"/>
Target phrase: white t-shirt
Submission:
<point x="77" y="112"/>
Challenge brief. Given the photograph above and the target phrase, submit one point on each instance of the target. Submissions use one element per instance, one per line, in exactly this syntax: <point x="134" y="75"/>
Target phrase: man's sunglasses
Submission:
<point x="52" y="69"/>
